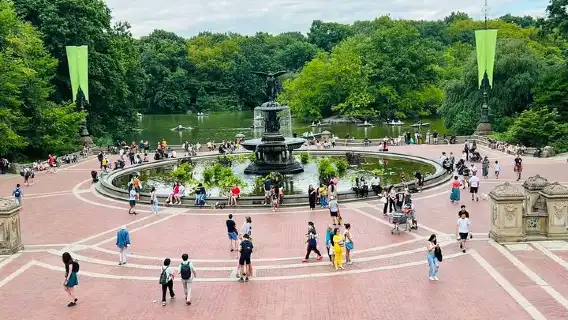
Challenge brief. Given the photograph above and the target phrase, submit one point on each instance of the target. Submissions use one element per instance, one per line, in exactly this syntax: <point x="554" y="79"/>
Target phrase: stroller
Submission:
<point x="405" y="220"/>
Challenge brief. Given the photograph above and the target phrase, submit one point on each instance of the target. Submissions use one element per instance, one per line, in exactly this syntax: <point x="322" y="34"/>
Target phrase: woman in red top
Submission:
<point x="51" y="164"/>
<point x="235" y="192"/>
<point x="455" y="194"/>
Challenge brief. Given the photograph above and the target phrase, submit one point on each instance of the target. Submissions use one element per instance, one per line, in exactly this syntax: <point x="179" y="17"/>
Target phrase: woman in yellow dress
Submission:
<point x="338" y="248"/>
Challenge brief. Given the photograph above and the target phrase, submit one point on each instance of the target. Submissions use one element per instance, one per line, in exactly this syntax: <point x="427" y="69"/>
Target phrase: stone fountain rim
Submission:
<point x="107" y="189"/>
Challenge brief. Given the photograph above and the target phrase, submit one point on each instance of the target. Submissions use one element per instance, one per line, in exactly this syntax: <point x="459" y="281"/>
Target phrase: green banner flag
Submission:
<point x="485" y="43"/>
<point x="78" y="60"/>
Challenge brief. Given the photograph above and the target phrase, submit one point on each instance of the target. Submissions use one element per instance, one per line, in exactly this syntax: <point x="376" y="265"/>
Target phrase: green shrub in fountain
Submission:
<point x="221" y="176"/>
<point x="183" y="173"/>
<point x="341" y="165"/>
<point x="304" y="157"/>
<point x="276" y="178"/>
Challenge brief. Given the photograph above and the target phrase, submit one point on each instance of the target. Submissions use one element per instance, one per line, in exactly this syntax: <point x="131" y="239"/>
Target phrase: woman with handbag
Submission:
<point x="312" y="242"/>
<point x="348" y="243"/>
<point x="434" y="258"/>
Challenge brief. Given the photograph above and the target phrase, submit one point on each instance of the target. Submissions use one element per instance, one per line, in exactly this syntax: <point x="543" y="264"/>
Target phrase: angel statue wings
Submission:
<point x="271" y="83"/>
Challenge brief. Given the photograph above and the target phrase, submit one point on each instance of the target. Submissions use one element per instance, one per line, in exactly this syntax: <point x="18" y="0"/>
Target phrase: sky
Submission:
<point x="188" y="18"/>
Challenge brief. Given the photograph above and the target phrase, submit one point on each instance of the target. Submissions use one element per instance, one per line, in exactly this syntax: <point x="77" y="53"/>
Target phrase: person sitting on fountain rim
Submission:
<point x="376" y="184"/>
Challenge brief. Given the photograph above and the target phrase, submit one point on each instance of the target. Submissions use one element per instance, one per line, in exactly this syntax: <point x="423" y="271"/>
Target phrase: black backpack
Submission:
<point x="17" y="192"/>
<point x="246" y="247"/>
<point x="163" y="276"/>
<point x="185" y="271"/>
<point x="75" y="267"/>
<point x="438" y="253"/>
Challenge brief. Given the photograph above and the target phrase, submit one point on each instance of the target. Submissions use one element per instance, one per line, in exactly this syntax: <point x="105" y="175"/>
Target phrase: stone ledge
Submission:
<point x="106" y="188"/>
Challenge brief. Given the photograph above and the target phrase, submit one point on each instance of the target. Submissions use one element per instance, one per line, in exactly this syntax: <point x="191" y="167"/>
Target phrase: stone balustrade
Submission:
<point x="10" y="232"/>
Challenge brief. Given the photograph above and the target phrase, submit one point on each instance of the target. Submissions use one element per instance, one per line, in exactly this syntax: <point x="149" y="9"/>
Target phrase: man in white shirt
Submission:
<point x="474" y="186"/>
<point x="375" y="184"/>
<point x="442" y="158"/>
<point x="463" y="230"/>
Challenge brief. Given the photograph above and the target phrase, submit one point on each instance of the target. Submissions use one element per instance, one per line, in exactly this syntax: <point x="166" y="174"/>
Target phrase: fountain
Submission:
<point x="273" y="152"/>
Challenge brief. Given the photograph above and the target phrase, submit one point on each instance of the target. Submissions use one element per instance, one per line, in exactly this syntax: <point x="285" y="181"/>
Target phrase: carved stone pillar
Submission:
<point x="507" y="207"/>
<point x="533" y="186"/>
<point x="556" y="196"/>
<point x="10" y="232"/>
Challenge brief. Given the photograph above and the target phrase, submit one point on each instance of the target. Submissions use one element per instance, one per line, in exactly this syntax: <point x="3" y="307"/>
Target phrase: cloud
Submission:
<point x="188" y="18"/>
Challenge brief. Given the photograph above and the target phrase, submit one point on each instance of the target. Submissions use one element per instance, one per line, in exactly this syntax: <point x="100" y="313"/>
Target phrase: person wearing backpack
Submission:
<point x="245" y="251"/>
<point x="18" y="194"/>
<point x="434" y="258"/>
<point x="122" y="242"/>
<point x="71" y="279"/>
<point x="187" y="273"/>
<point x="167" y="280"/>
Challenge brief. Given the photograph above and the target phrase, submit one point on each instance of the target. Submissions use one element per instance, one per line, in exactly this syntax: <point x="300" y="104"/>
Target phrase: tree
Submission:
<point x="30" y="125"/>
<point x="456" y="16"/>
<point x="525" y="21"/>
<point x="517" y="73"/>
<point x="557" y="19"/>
<point x="114" y="78"/>
<point x="538" y="127"/>
<point x="326" y="35"/>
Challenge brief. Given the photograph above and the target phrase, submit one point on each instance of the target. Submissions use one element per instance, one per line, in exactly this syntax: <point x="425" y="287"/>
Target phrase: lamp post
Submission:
<point x="486" y="51"/>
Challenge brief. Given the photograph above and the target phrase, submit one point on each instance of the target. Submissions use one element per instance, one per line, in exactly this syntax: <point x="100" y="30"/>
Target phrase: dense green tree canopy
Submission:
<point x="382" y="68"/>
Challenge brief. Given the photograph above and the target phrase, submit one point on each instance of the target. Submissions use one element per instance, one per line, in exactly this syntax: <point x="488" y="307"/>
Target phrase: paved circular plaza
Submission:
<point x="388" y="280"/>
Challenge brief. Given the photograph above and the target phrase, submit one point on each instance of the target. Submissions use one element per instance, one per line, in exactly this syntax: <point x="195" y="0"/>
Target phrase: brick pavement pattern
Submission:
<point x="388" y="279"/>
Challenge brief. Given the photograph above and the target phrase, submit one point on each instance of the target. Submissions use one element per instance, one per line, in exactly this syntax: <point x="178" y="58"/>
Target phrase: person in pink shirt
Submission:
<point x="455" y="194"/>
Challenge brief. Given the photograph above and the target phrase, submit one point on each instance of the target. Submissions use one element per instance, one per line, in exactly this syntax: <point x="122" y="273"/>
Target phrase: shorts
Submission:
<point x="267" y="193"/>
<point x="463" y="236"/>
<point x="233" y="236"/>
<point x="137" y="189"/>
<point x="473" y="189"/>
<point x="132" y="202"/>
<point x="333" y="214"/>
<point x="518" y="169"/>
<point x="244" y="259"/>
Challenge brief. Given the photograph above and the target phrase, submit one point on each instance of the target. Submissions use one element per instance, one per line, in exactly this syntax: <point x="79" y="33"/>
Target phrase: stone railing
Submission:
<point x="538" y="211"/>
<point x="10" y="232"/>
<point x="107" y="188"/>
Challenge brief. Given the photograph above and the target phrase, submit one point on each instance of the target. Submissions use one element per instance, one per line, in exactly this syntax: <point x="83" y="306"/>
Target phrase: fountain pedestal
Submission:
<point x="273" y="152"/>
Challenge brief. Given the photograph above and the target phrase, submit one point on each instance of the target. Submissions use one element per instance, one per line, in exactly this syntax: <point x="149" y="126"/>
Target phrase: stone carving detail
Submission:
<point x="537" y="182"/>
<point x="494" y="215"/>
<point x="532" y="223"/>
<point x="2" y="233"/>
<point x="559" y="209"/>
<point x="540" y="205"/>
<point x="7" y="204"/>
<point x="14" y="231"/>
<point x="510" y="209"/>
<point x="555" y="189"/>
<point x="507" y="190"/>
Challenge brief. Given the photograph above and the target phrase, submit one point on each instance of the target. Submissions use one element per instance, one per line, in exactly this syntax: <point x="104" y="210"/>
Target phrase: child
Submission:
<point x="497" y="169"/>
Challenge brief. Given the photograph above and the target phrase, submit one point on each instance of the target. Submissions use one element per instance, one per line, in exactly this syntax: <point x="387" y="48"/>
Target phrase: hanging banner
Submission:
<point x="485" y="44"/>
<point x="78" y="60"/>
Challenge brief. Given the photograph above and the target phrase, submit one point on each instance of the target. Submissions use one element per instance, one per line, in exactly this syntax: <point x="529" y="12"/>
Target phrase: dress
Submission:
<point x="485" y="168"/>
<point x="73" y="280"/>
<point x="455" y="194"/>
<point x="312" y="198"/>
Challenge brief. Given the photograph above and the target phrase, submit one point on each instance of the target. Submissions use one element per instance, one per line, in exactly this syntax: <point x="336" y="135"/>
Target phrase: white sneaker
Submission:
<point x="436" y="278"/>
<point x="431" y="278"/>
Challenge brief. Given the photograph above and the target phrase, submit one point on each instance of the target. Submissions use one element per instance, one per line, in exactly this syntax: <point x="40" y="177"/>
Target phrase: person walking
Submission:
<point x="154" y="200"/>
<point x="348" y="243"/>
<point x="338" y="245"/>
<point x="329" y="233"/>
<point x="132" y="202"/>
<point x="312" y="195"/>
<point x="433" y="262"/>
<point x="187" y="274"/>
<point x="246" y="228"/>
<point x="312" y="242"/>
<point x="245" y="250"/>
<point x="167" y="280"/>
<point x="518" y="167"/>
<point x="455" y="194"/>
<point x="334" y="210"/>
<point x="474" y="186"/>
<point x="71" y="279"/>
<point x="122" y="242"/>
<point x="18" y="194"/>
<point x="232" y="231"/>
<point x="497" y="169"/>
<point x="485" y="168"/>
<point x="463" y="230"/>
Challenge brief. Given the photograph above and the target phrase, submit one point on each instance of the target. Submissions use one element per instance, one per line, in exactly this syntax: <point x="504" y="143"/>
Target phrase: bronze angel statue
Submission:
<point x="271" y="83"/>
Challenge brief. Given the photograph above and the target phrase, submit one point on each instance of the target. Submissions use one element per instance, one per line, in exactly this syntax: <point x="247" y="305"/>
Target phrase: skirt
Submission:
<point x="485" y="171"/>
<point x="73" y="280"/>
<point x="455" y="194"/>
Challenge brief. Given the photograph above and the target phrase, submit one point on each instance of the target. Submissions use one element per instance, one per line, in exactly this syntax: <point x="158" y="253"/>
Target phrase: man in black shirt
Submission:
<point x="435" y="136"/>
<point x="232" y="231"/>
<point x="463" y="211"/>
<point x="246" y="251"/>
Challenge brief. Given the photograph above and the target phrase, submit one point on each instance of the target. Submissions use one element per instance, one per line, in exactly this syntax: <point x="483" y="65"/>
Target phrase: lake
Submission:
<point x="224" y="126"/>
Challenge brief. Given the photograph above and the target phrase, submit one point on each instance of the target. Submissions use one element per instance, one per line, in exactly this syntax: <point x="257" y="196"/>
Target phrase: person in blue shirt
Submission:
<point x="18" y="194"/>
<point x="267" y="186"/>
<point x="329" y="243"/>
<point x="122" y="242"/>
